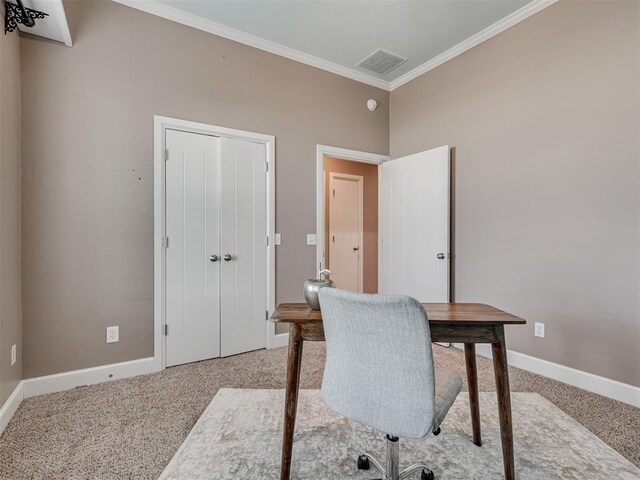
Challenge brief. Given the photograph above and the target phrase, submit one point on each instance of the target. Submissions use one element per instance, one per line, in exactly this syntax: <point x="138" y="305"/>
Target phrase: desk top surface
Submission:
<point x="458" y="313"/>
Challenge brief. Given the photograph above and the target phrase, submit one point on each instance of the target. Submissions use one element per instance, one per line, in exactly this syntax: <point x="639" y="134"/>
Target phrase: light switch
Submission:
<point x="311" y="238"/>
<point x="278" y="239"/>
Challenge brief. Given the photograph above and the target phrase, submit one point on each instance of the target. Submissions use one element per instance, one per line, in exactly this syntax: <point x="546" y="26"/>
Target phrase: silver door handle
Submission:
<point x="441" y="256"/>
<point x="213" y="258"/>
<point x="227" y="258"/>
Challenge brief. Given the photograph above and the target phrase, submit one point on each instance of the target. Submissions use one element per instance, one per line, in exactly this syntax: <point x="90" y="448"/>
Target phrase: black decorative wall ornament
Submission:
<point x="15" y="14"/>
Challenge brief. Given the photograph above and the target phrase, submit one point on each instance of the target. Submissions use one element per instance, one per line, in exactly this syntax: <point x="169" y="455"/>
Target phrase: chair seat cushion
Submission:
<point x="448" y="386"/>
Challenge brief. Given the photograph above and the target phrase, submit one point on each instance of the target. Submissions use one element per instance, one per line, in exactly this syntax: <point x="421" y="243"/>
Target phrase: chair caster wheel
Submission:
<point x="363" y="462"/>
<point x="436" y="432"/>
<point x="427" y="475"/>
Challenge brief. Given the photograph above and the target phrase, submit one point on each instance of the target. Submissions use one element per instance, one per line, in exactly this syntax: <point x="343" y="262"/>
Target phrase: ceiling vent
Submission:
<point x="381" y="62"/>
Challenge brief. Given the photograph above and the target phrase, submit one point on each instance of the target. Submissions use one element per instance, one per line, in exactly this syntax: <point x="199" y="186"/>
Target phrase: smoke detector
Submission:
<point x="381" y="62"/>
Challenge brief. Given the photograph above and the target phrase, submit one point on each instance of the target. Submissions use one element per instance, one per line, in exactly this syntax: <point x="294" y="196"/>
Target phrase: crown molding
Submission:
<point x="491" y="31"/>
<point x="179" y="16"/>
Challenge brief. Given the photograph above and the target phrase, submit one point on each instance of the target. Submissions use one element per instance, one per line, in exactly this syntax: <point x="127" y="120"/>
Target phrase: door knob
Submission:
<point x="441" y="256"/>
<point x="213" y="258"/>
<point x="227" y="258"/>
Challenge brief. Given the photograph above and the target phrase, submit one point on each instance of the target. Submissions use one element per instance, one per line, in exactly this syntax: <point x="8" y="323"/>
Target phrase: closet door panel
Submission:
<point x="192" y="280"/>
<point x="243" y="238"/>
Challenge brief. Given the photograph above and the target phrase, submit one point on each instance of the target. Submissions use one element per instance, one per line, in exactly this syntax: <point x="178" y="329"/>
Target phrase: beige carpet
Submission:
<point x="238" y="436"/>
<point x="130" y="429"/>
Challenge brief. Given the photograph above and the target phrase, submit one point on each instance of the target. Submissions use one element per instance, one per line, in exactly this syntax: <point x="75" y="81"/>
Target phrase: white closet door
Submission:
<point x="243" y="226"/>
<point x="192" y="219"/>
<point x="415" y="226"/>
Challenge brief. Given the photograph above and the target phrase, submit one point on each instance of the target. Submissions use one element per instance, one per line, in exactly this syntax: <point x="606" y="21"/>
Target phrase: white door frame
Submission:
<point x="360" y="180"/>
<point x="161" y="124"/>
<point x="344" y="154"/>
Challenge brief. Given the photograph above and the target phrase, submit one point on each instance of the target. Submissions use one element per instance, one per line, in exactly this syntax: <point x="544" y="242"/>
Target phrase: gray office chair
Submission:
<point x="379" y="372"/>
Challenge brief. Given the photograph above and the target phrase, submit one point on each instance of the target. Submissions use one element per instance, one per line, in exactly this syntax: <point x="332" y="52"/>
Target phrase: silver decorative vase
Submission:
<point x="313" y="286"/>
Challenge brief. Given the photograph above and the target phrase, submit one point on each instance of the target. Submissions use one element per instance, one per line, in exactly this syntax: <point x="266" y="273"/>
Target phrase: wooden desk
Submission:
<point x="467" y="323"/>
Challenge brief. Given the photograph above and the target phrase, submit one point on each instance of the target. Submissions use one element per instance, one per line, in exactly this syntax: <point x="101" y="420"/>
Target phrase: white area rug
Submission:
<point x="239" y="437"/>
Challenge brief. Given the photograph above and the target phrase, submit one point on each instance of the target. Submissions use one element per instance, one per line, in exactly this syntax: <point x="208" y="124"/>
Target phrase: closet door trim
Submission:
<point x="161" y="124"/>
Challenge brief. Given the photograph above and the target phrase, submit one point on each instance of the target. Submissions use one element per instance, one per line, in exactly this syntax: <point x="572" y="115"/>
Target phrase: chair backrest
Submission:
<point x="379" y="368"/>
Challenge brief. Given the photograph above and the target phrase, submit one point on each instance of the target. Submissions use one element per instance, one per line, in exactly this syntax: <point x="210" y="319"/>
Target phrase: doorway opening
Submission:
<point x="347" y="213"/>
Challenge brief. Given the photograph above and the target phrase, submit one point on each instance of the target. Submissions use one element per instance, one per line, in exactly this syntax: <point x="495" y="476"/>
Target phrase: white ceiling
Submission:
<point x="337" y="35"/>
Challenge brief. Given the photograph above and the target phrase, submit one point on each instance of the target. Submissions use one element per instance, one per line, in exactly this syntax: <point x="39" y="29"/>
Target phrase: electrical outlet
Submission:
<point x="538" y="330"/>
<point x="14" y="354"/>
<point x="311" y="239"/>
<point x="113" y="334"/>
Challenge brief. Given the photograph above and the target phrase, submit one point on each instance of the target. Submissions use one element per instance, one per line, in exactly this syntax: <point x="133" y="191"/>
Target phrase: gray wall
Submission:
<point x="10" y="328"/>
<point x="88" y="166"/>
<point x="545" y="123"/>
<point x="543" y="118"/>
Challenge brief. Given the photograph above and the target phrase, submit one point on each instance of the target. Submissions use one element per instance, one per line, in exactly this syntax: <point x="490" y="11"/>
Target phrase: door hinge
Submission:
<point x="266" y="166"/>
<point x="266" y="240"/>
<point x="334" y="193"/>
<point x="166" y="155"/>
<point x="166" y="329"/>
<point x="165" y="242"/>
<point x="266" y="315"/>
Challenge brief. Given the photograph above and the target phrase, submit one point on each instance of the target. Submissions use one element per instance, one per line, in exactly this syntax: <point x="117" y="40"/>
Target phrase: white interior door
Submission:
<point x="193" y="281"/>
<point x="345" y="230"/>
<point x="415" y="225"/>
<point x="243" y="224"/>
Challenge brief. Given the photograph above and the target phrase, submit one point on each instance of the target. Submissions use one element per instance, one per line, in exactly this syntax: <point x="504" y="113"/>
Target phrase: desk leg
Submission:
<point x="504" y="403"/>
<point x="472" y="382"/>
<point x="294" y="362"/>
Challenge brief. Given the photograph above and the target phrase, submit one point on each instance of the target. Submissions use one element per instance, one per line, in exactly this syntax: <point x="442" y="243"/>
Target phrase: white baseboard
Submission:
<point x="279" y="340"/>
<point x="59" y="382"/>
<point x="571" y="376"/>
<point x="10" y="406"/>
<point x="88" y="376"/>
